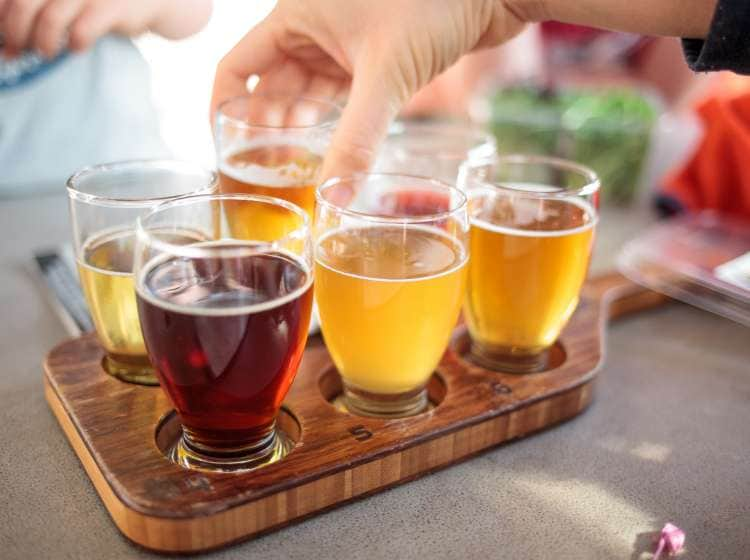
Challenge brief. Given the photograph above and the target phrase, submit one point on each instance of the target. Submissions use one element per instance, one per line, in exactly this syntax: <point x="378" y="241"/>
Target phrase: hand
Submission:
<point x="51" y="25"/>
<point x="450" y="93"/>
<point x="380" y="52"/>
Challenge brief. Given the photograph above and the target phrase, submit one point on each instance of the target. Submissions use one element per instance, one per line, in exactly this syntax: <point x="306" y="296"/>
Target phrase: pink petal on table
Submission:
<point x="671" y="541"/>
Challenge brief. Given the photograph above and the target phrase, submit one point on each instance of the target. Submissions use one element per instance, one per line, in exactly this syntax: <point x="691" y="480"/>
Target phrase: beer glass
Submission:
<point x="432" y="149"/>
<point x="273" y="145"/>
<point x="105" y="201"/>
<point x="225" y="321"/>
<point x="532" y="229"/>
<point x="390" y="269"/>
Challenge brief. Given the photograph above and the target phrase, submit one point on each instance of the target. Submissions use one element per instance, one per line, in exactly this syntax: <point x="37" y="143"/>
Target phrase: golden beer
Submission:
<point x="107" y="283"/>
<point x="388" y="299"/>
<point x="528" y="263"/>
<point x="282" y="171"/>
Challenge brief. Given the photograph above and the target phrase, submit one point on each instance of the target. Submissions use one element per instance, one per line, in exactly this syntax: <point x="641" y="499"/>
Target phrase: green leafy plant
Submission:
<point x="608" y="131"/>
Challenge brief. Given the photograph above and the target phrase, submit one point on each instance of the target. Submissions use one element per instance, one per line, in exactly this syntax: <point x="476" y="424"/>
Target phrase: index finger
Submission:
<point x="373" y="103"/>
<point x="255" y="53"/>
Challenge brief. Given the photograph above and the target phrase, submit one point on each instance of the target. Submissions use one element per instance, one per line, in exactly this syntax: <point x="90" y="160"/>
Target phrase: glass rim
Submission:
<point x="423" y="218"/>
<point x="143" y="235"/>
<point x="222" y="117"/>
<point x="75" y="191"/>
<point x="591" y="186"/>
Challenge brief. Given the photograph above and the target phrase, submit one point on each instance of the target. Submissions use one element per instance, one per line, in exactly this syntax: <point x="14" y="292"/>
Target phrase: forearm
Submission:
<point x="676" y="18"/>
<point x="177" y="19"/>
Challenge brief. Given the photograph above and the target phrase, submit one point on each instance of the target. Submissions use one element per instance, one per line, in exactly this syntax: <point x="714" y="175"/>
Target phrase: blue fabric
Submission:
<point x="18" y="71"/>
<point x="80" y="109"/>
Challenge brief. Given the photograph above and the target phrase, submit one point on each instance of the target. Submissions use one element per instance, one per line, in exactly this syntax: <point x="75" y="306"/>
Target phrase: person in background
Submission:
<point x="383" y="52"/>
<point x="74" y="90"/>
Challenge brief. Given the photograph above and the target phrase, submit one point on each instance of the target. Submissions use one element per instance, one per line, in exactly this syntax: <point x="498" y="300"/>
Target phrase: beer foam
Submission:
<point x="461" y="256"/>
<point x="147" y="294"/>
<point x="290" y="175"/>
<point x="529" y="214"/>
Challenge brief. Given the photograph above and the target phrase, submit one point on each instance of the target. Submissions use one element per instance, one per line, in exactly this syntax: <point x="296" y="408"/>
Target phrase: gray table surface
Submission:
<point x="666" y="439"/>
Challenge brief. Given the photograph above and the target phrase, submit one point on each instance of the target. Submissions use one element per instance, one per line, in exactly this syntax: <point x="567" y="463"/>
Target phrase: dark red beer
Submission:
<point x="225" y="336"/>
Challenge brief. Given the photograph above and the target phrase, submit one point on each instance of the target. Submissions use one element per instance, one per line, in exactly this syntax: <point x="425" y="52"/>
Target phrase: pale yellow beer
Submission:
<point x="105" y="202"/>
<point x="528" y="263"/>
<point x="389" y="298"/>
<point x="107" y="281"/>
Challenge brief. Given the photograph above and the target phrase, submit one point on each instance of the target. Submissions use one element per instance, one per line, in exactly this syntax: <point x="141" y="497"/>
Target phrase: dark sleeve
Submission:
<point x="727" y="46"/>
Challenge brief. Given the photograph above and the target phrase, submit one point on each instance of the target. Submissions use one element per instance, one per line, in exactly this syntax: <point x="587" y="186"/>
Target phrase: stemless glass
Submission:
<point x="225" y="321"/>
<point x="390" y="256"/>
<point x="105" y="201"/>
<point x="532" y="229"/>
<point x="433" y="149"/>
<point x="272" y="144"/>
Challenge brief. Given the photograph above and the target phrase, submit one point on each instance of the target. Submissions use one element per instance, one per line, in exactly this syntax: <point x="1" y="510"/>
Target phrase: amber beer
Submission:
<point x="282" y="171"/>
<point x="105" y="271"/>
<point x="389" y="298"/>
<point x="528" y="263"/>
<point x="227" y="335"/>
<point x="225" y="322"/>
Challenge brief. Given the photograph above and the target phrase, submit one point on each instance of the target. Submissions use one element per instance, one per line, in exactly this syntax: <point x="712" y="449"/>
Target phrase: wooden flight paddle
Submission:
<point x="121" y="432"/>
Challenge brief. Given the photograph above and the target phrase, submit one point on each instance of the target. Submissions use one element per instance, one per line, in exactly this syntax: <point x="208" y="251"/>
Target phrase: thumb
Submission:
<point x="373" y="103"/>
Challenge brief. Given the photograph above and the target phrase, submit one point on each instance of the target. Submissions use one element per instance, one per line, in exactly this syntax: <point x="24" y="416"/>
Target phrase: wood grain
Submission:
<point x="112" y="426"/>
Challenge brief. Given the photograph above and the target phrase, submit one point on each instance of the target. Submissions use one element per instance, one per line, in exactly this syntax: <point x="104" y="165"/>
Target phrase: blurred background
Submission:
<point x="622" y="104"/>
<point x="182" y="75"/>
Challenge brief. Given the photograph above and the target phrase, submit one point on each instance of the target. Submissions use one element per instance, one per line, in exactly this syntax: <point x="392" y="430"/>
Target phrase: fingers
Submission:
<point x="42" y="24"/>
<point x="256" y="53"/>
<point x="284" y="86"/>
<point x="18" y="22"/>
<point x="3" y="9"/>
<point x="52" y="25"/>
<point x="373" y="102"/>
<point x="97" y="19"/>
<point x="323" y="87"/>
<point x="290" y="78"/>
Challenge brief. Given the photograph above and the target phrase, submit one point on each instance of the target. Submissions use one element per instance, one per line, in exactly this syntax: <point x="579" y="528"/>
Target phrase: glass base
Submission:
<point x="508" y="359"/>
<point x="271" y="449"/>
<point x="133" y="370"/>
<point x="400" y="405"/>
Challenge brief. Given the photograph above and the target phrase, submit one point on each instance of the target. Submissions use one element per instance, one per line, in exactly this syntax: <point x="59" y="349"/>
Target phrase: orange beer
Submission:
<point x="282" y="171"/>
<point x="271" y="145"/>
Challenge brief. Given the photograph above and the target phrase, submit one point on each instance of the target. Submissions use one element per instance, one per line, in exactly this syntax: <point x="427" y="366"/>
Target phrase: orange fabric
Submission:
<point x="717" y="177"/>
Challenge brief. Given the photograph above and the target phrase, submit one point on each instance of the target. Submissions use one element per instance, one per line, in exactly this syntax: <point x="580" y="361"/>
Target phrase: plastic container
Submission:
<point x="702" y="259"/>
